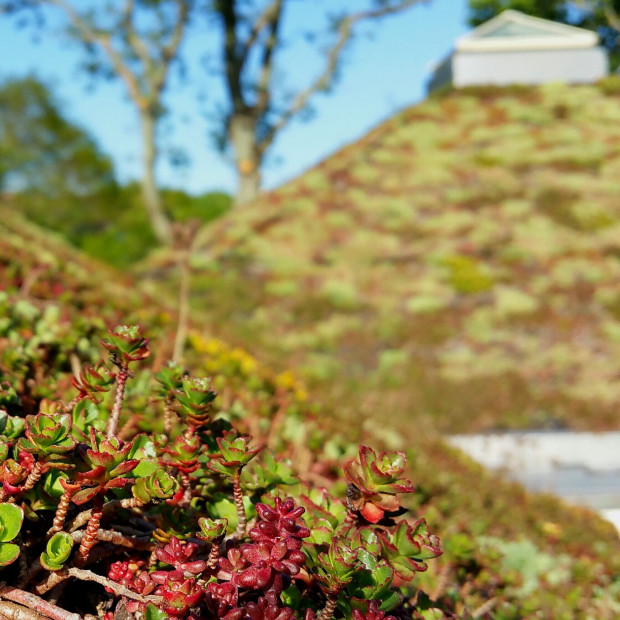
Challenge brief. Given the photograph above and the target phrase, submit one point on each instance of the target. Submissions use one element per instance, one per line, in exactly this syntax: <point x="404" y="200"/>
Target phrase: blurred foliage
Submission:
<point x="473" y="238"/>
<point x="53" y="172"/>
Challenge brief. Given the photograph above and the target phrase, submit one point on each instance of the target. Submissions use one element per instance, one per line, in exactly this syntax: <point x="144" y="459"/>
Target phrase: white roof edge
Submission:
<point x="524" y="43"/>
<point x="578" y="37"/>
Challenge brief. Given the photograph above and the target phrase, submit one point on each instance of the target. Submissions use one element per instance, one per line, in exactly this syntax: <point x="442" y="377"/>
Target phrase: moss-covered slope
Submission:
<point x="459" y="264"/>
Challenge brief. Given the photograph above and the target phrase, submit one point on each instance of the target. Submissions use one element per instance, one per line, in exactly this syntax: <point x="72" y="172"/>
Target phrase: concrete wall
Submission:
<point x="529" y="67"/>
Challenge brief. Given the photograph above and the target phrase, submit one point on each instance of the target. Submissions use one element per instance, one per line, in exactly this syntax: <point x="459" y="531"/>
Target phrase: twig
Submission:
<point x="117" y="588"/>
<point x="36" y="603"/>
<point x="84" y="517"/>
<point x="13" y="611"/>
<point x="183" y="320"/>
<point x="116" y="538"/>
<point x="485" y="608"/>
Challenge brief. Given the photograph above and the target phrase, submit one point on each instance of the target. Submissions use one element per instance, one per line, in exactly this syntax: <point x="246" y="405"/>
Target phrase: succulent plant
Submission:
<point x="155" y="492"/>
<point x="108" y="466"/>
<point x="193" y="400"/>
<point x="169" y="378"/>
<point x="57" y="552"/>
<point x="211" y="529"/>
<point x="376" y="482"/>
<point x="233" y="455"/>
<point x="92" y="381"/>
<point x="180" y="555"/>
<point x="157" y="486"/>
<point x="11" y="518"/>
<point x="179" y="594"/>
<point x="127" y="343"/>
<point x="408" y="548"/>
<point x="47" y="434"/>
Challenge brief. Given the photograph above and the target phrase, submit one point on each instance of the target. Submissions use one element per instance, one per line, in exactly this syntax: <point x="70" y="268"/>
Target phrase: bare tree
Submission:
<point x="252" y="30"/>
<point x="137" y="41"/>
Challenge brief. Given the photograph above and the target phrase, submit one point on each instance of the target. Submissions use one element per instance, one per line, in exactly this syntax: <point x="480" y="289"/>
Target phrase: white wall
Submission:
<point x="529" y="67"/>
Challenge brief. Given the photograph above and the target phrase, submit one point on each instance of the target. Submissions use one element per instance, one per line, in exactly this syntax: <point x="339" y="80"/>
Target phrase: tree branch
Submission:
<point x="169" y="51"/>
<point x="233" y="59"/>
<point x="268" y="16"/>
<point x="102" y="39"/>
<point x="263" y="94"/>
<point x="326" y="78"/>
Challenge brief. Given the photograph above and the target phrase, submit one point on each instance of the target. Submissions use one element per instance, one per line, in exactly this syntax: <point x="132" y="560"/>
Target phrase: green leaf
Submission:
<point x="153" y="613"/>
<point x="57" y="551"/>
<point x="8" y="553"/>
<point x="11" y="517"/>
<point x="51" y="483"/>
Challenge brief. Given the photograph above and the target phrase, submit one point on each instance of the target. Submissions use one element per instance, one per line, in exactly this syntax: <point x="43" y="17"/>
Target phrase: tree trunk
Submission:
<point x="150" y="192"/>
<point x="247" y="158"/>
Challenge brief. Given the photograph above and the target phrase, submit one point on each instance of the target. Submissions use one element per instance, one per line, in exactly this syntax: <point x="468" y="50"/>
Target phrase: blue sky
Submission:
<point x="385" y="70"/>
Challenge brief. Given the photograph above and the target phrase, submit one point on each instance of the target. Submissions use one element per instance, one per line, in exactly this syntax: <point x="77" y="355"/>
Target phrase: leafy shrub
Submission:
<point x="195" y="521"/>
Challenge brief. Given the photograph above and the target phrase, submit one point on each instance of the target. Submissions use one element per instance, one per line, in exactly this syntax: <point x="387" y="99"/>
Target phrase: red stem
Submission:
<point x="61" y="513"/>
<point x="90" y="535"/>
<point x="33" y="477"/>
<point x="328" y="611"/>
<point x="121" y="380"/>
<point x="214" y="555"/>
<point x="74" y="401"/>
<point x="242" y="520"/>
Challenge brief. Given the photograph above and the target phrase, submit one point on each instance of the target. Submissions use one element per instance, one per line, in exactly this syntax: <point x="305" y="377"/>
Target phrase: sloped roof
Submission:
<point x="513" y="30"/>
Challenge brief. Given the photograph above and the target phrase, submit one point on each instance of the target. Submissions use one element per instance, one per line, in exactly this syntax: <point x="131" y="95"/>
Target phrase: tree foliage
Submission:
<point x="138" y="42"/>
<point x="42" y="151"/>
<point x="601" y="16"/>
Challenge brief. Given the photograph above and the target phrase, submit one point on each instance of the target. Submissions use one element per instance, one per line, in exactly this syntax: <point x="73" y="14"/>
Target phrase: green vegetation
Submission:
<point x="473" y="237"/>
<point x="388" y="298"/>
<point x="54" y="173"/>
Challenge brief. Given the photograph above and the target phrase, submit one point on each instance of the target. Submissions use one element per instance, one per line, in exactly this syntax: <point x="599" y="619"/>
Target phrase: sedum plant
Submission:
<point x="198" y="521"/>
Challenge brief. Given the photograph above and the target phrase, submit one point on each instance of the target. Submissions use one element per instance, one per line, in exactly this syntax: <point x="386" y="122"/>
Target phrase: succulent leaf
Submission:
<point x="57" y="551"/>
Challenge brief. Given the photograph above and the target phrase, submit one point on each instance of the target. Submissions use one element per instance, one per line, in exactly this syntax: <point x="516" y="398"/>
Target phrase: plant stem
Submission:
<point x="121" y="380"/>
<point x="33" y="477"/>
<point x="84" y="517"/>
<point x="348" y="522"/>
<point x="90" y="536"/>
<point x="168" y="415"/>
<point x="242" y="520"/>
<point x="181" y="335"/>
<point x="117" y="588"/>
<point x="36" y="603"/>
<point x="214" y="554"/>
<point x="13" y="611"/>
<point x="330" y="606"/>
<point x="116" y="538"/>
<point x="61" y="513"/>
<point x="187" y="489"/>
<point x="74" y="401"/>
